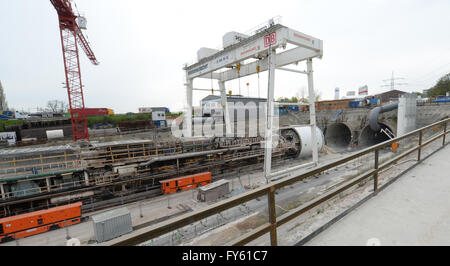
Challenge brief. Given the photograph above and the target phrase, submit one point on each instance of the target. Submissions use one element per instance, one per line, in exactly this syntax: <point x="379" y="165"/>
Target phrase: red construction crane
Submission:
<point x="71" y="34"/>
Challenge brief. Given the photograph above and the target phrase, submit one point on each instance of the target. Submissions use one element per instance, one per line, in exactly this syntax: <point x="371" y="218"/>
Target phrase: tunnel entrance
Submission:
<point x="338" y="136"/>
<point x="369" y="137"/>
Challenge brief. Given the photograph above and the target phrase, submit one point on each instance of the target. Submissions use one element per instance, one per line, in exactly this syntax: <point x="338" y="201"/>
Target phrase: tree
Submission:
<point x="419" y="94"/>
<point x="56" y="106"/>
<point x="293" y="99"/>
<point x="441" y="87"/>
<point x="283" y="99"/>
<point x="301" y="97"/>
<point x="318" y="96"/>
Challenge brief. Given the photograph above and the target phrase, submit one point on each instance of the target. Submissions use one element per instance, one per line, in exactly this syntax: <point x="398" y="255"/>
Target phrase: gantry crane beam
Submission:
<point x="71" y="34"/>
<point x="251" y="55"/>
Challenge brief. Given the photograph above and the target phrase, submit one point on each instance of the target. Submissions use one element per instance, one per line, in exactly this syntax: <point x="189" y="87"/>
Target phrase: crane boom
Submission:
<point x="86" y="48"/>
<point x="71" y="34"/>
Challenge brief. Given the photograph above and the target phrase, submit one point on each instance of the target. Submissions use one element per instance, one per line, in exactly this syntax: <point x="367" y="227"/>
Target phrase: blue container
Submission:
<point x="374" y="101"/>
<point x="354" y="104"/>
<point x="281" y="111"/>
<point x="442" y="99"/>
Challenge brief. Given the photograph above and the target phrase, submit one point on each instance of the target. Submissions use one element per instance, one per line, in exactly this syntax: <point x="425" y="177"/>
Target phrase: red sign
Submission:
<point x="270" y="39"/>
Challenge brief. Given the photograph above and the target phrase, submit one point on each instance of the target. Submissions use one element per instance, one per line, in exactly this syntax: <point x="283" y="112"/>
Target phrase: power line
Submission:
<point x="432" y="73"/>
<point x="392" y="82"/>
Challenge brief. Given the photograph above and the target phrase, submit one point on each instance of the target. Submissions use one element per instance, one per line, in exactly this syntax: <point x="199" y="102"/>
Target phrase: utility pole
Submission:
<point x="392" y="82"/>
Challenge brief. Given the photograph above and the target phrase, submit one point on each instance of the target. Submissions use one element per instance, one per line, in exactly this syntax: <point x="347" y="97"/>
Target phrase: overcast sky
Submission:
<point x="142" y="46"/>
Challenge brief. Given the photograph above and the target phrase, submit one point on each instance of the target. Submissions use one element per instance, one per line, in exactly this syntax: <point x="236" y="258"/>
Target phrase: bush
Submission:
<point x="6" y="123"/>
<point x="115" y="119"/>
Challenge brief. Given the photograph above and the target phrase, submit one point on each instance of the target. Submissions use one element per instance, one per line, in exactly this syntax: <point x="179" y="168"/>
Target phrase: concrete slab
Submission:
<point x="414" y="210"/>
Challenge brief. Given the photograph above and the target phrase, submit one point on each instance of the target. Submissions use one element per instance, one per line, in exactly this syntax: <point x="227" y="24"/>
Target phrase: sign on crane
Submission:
<point x="71" y="36"/>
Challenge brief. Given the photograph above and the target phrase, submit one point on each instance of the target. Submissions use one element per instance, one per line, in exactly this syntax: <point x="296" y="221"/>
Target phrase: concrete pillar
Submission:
<point x="188" y="115"/>
<point x="269" y="115"/>
<point x="226" y="113"/>
<point x="407" y="109"/>
<point x="86" y="178"/>
<point x="312" y="111"/>
<point x="47" y="181"/>
<point x="2" y="189"/>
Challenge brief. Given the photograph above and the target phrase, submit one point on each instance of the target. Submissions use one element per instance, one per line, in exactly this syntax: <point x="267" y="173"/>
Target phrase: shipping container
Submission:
<point x="111" y="224"/>
<point x="281" y="111"/>
<point x="214" y="191"/>
<point x="293" y="108"/>
<point x="354" y="104"/>
<point x="375" y="101"/>
<point x="96" y="111"/>
<point x="442" y="99"/>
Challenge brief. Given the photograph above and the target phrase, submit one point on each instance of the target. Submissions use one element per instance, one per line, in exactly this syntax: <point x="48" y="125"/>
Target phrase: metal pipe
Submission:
<point x="373" y="116"/>
<point x="190" y="154"/>
<point x="290" y="170"/>
<point x="292" y="70"/>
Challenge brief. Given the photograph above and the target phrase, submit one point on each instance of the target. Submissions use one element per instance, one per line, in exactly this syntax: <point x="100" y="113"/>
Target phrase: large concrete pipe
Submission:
<point x="373" y="116"/>
<point x="300" y="138"/>
<point x="371" y="134"/>
<point x="338" y="136"/>
<point x="370" y="137"/>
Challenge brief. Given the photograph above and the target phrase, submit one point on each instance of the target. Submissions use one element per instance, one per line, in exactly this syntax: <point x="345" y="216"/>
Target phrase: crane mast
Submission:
<point x="71" y="36"/>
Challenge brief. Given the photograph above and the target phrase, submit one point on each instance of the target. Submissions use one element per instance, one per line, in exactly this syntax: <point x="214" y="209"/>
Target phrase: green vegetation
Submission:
<point x="6" y="123"/>
<point x="114" y="120"/>
<point x="441" y="87"/>
<point x="293" y="99"/>
<point x="174" y="114"/>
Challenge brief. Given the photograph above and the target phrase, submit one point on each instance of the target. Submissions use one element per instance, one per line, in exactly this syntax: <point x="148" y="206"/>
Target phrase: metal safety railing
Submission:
<point x="148" y="233"/>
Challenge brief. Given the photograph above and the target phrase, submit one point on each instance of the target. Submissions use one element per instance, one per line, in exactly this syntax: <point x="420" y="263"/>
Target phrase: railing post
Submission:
<point x="375" y="176"/>
<point x="420" y="148"/>
<point x="272" y="217"/>
<point x="445" y="133"/>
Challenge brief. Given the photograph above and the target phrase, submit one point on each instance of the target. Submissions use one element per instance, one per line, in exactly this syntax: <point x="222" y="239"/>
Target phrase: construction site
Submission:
<point x="227" y="170"/>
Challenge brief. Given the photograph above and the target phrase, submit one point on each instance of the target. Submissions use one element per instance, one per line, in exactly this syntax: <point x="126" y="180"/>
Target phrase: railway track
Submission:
<point x="151" y="192"/>
<point x="91" y="204"/>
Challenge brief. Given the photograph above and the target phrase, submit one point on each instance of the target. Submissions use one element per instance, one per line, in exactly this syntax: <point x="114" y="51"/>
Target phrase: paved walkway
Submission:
<point x="414" y="210"/>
